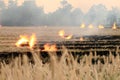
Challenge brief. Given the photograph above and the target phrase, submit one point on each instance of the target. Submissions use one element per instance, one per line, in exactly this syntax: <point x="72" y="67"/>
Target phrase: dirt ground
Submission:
<point x="9" y="35"/>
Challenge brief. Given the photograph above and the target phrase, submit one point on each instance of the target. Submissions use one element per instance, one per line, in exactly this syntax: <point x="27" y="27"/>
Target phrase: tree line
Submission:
<point x="28" y="14"/>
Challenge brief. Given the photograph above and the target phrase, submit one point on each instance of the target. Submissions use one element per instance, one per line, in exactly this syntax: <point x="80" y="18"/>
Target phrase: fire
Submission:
<point x="101" y="27"/>
<point x="32" y="41"/>
<point x="49" y="47"/>
<point x="24" y="39"/>
<point x="82" y="26"/>
<point x="62" y="34"/>
<point x="90" y="26"/>
<point x="114" y="26"/>
<point x="68" y="37"/>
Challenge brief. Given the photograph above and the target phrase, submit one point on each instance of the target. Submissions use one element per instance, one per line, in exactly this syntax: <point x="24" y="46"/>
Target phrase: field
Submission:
<point x="67" y="66"/>
<point x="9" y="35"/>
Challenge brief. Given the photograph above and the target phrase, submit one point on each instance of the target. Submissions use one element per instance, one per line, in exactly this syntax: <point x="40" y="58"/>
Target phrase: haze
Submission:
<point x="59" y="12"/>
<point x="84" y="5"/>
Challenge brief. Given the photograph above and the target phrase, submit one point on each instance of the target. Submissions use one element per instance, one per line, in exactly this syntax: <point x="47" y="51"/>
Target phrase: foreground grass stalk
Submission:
<point x="65" y="68"/>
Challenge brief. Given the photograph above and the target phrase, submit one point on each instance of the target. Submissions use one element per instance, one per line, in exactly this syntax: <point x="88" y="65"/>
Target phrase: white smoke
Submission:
<point x="20" y="2"/>
<point x="6" y="2"/>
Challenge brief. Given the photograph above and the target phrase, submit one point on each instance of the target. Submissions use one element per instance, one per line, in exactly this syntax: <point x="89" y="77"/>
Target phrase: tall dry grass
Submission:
<point x="65" y="68"/>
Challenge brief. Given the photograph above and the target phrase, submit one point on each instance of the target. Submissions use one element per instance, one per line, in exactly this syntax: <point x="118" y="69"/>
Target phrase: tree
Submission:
<point x="96" y="15"/>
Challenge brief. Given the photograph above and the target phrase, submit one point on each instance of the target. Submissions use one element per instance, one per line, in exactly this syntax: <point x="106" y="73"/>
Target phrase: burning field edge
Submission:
<point x="28" y="53"/>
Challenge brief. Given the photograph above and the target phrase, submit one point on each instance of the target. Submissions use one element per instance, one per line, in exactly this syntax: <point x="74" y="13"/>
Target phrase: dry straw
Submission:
<point x="65" y="68"/>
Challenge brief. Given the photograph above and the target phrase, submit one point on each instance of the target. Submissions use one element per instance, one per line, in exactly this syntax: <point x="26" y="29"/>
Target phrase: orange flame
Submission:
<point x="90" y="26"/>
<point x="68" y="37"/>
<point x="114" y="26"/>
<point x="26" y="40"/>
<point x="23" y="40"/>
<point x="32" y="41"/>
<point x="62" y="34"/>
<point x="101" y="27"/>
<point x="82" y="26"/>
<point x="49" y="47"/>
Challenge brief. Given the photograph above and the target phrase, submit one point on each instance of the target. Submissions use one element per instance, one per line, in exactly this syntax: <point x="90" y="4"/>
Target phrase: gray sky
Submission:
<point x="84" y="5"/>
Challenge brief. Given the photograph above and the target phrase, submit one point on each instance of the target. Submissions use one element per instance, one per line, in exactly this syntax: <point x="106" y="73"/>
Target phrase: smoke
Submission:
<point x="20" y="2"/>
<point x="27" y="13"/>
<point x="96" y="15"/>
<point x="6" y="2"/>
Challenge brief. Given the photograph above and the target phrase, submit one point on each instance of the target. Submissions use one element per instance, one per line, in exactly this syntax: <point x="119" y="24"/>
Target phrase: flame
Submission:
<point x="114" y="26"/>
<point x="49" y="47"/>
<point x="90" y="26"/>
<point x="82" y="26"/>
<point x="26" y="40"/>
<point x="32" y="41"/>
<point x="68" y="37"/>
<point x="23" y="40"/>
<point x="62" y="34"/>
<point x="101" y="27"/>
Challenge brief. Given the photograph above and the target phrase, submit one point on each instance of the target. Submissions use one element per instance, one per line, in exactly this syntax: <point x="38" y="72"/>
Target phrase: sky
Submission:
<point x="84" y="5"/>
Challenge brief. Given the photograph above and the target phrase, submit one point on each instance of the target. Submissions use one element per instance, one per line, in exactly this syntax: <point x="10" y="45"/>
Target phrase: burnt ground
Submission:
<point x="97" y="45"/>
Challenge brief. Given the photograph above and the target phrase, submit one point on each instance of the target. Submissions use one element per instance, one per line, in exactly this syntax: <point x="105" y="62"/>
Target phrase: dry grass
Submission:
<point x="67" y="68"/>
<point x="10" y="35"/>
